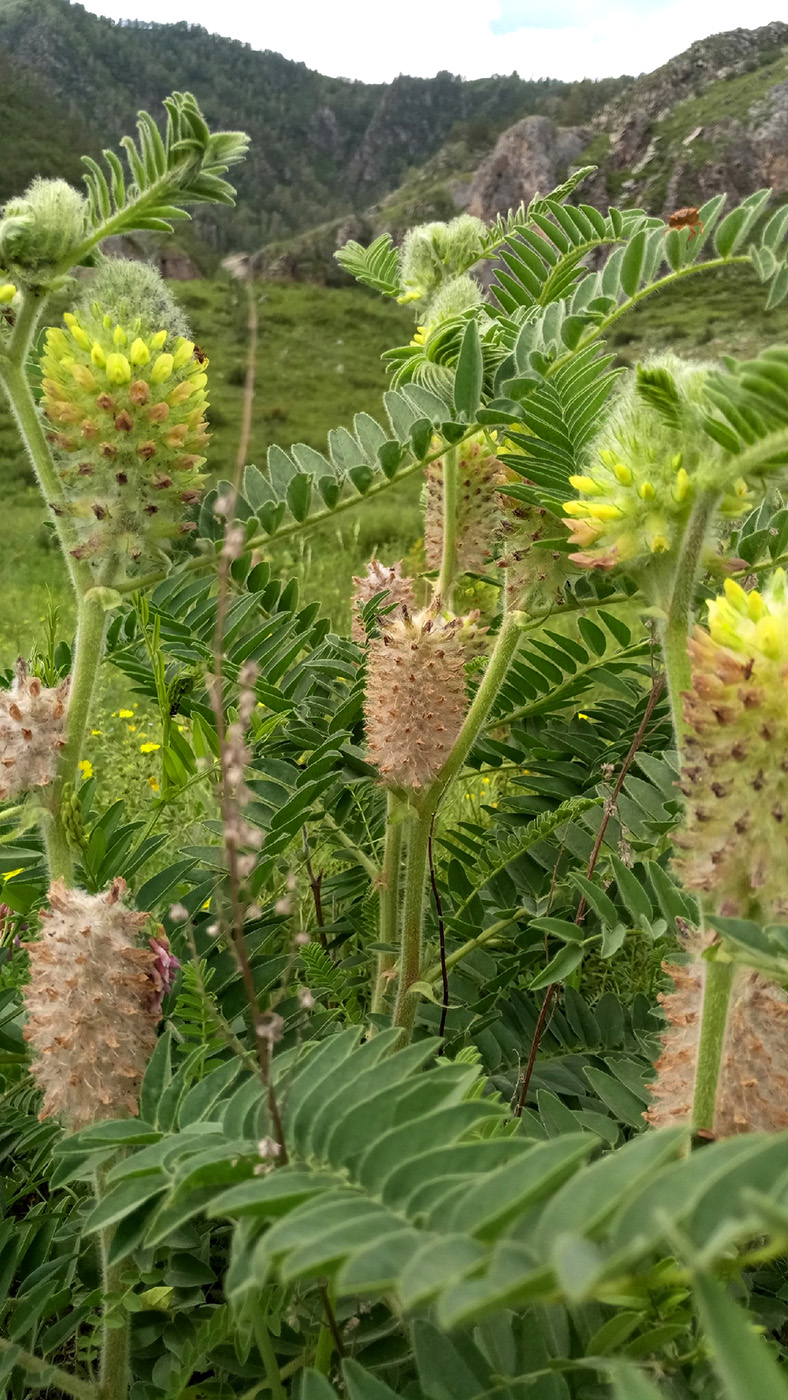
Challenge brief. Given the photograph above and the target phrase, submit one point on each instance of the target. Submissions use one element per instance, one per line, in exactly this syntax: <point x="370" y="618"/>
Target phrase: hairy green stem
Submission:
<point x="270" y="1364"/>
<point x="716" y="997"/>
<point x="115" y="1374"/>
<point x="675" y="633"/>
<point x="445" y="585"/>
<point x="388" y="917"/>
<point x="419" y="835"/>
<point x="47" y="1374"/>
<point x="91" y="625"/>
<point x="412" y="919"/>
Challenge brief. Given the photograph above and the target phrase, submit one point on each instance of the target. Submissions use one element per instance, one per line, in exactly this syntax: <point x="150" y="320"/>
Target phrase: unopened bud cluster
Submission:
<point x="643" y="475"/>
<point x="379" y="580"/>
<point x="478" y="472"/>
<point x="535" y="576"/>
<point x="40" y="231"/>
<point x="126" y="408"/>
<point x="92" y="1005"/>
<point x="32" y="732"/>
<point x="416" y="695"/>
<point x="752" y="1092"/>
<point x="734" y="839"/>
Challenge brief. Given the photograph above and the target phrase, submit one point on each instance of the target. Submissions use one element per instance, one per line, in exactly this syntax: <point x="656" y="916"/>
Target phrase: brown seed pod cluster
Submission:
<point x="92" y="1006"/>
<point x="416" y="696"/>
<point x="752" y="1094"/>
<point x="32" y="732"/>
<point x="478" y="472"/>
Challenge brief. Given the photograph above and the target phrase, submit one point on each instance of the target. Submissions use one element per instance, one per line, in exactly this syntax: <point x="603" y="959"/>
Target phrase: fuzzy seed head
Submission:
<point x="478" y="473"/>
<point x="127" y="407"/>
<point x="645" y="469"/>
<point x="379" y="579"/>
<point x="733" y="844"/>
<point x="32" y="732"/>
<point x="416" y="697"/>
<point x="92" y="1006"/>
<point x="752" y="1089"/>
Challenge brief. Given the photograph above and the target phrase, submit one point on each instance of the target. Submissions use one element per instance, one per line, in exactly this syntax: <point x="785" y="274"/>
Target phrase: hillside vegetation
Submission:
<point x="317" y="142"/>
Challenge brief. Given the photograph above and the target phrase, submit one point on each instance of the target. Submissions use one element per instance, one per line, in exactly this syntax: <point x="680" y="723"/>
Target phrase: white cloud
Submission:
<point x="358" y="39"/>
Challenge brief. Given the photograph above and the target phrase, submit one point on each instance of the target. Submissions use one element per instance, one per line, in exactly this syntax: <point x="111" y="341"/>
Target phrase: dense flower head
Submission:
<point x="436" y="252"/>
<point x="92" y="1004"/>
<point x="379" y="579"/>
<point x="39" y="231"/>
<point x="535" y="576"/>
<point x="32" y="732"/>
<point x="416" y="695"/>
<point x="752" y="1093"/>
<point x="645" y="468"/>
<point x="734" y="840"/>
<point x="478" y="474"/>
<point x="127" y="409"/>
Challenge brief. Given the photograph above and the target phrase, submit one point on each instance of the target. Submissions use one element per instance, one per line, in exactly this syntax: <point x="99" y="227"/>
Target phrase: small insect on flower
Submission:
<point x="689" y="217"/>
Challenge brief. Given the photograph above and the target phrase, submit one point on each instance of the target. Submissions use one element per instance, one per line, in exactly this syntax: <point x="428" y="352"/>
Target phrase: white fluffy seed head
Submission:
<point x="91" y="1004"/>
<point x="32" y="732"/>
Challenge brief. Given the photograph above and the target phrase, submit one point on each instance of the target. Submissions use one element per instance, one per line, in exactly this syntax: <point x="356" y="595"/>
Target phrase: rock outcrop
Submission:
<point x="532" y="157"/>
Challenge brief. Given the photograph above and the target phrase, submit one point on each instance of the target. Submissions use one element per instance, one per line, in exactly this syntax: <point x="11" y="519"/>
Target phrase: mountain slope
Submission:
<point x="317" y="142"/>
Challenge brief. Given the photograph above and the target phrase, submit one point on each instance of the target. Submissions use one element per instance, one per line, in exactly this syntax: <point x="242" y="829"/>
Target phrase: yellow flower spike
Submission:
<point x="139" y="353"/>
<point x="183" y="353"/>
<point x="162" y="369"/>
<point x="119" y="337"/>
<point x="118" y="369"/>
<point x="7" y="293"/>
<point x="755" y="606"/>
<point x="586" y="484"/>
<point x="622" y="474"/>
<point x="578" y="508"/>
<point x="682" y="486"/>
<point x="97" y="355"/>
<point x="736" y="596"/>
<point x="646" y="491"/>
<point x="158" y="340"/>
<point x="603" y="512"/>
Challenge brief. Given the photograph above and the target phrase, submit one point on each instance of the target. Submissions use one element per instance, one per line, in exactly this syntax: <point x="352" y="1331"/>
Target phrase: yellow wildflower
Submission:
<point x="154" y="784"/>
<point x="149" y="747"/>
<point x="125" y="714"/>
<point x="86" y="768"/>
<point x="9" y="875"/>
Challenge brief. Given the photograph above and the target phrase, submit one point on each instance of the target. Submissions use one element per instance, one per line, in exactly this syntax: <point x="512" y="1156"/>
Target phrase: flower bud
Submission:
<point x="32" y="733"/>
<point x="433" y="253"/>
<point x="39" y="231"/>
<point x="127" y="415"/>
<point x="416" y="696"/>
<point x="733" y="843"/>
<point x="379" y="579"/>
<point x="478" y="472"/>
<point x="92" y="1004"/>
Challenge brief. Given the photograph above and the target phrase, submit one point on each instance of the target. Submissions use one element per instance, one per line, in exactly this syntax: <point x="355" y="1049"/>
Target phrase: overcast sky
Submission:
<point x="537" y="38"/>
